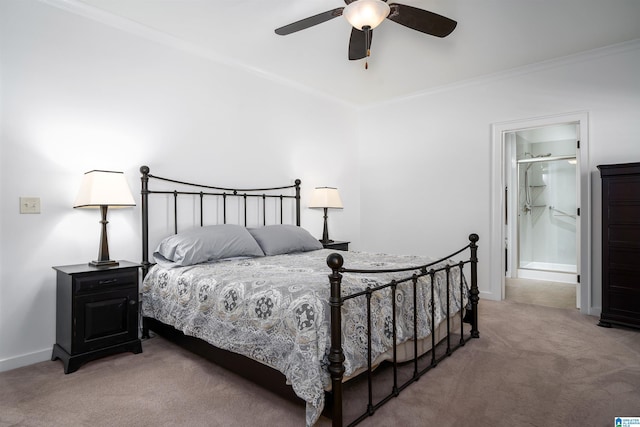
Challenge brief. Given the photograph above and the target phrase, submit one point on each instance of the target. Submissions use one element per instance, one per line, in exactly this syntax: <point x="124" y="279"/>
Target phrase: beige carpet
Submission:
<point x="539" y="292"/>
<point x="532" y="366"/>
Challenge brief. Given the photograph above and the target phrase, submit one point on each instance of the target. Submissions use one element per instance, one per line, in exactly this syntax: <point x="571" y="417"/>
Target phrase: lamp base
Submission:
<point x="105" y="263"/>
<point x="325" y="241"/>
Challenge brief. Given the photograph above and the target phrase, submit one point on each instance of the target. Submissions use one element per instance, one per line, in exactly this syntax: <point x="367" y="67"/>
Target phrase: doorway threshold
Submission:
<point x="549" y="276"/>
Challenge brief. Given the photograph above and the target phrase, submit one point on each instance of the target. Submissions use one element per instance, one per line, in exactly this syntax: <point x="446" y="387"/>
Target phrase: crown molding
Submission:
<point x="587" y="55"/>
<point x="115" y="21"/>
<point x="137" y="29"/>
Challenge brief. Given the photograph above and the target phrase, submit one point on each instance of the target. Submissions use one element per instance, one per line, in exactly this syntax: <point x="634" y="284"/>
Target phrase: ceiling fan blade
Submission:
<point x="310" y="21"/>
<point x="357" y="48"/>
<point x="421" y="20"/>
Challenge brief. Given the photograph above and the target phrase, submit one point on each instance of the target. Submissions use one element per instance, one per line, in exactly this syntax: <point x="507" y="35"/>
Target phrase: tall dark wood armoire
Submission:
<point x="620" y="245"/>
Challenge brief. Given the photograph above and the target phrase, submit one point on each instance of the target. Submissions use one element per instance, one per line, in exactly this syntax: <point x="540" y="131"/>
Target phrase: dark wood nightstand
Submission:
<point x="339" y="246"/>
<point x="96" y="312"/>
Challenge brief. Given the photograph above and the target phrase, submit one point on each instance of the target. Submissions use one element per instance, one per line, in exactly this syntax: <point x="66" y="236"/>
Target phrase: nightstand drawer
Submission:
<point x="112" y="279"/>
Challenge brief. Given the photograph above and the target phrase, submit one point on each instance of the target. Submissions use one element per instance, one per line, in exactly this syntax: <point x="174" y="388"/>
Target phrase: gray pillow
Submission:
<point x="283" y="239"/>
<point x="210" y="243"/>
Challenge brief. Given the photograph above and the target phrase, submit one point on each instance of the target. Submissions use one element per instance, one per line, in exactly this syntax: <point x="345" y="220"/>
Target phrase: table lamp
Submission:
<point x="325" y="197"/>
<point x="103" y="189"/>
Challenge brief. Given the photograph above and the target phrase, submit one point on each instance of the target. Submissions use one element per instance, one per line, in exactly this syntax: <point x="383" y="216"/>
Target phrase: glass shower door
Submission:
<point x="547" y="204"/>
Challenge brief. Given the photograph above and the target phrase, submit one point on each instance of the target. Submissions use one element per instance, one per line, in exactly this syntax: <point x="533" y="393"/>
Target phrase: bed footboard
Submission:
<point x="336" y="356"/>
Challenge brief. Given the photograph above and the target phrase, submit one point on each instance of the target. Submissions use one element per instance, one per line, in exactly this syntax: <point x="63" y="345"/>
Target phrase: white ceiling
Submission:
<point x="492" y="36"/>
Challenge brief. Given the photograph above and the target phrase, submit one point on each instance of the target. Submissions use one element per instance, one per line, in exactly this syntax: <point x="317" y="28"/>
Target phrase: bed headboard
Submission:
<point x="208" y="205"/>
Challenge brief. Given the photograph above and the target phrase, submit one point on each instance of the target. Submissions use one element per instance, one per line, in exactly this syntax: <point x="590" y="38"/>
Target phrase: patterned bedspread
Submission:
<point x="274" y="309"/>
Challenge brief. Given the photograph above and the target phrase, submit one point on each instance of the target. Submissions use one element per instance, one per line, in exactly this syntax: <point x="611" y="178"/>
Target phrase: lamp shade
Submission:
<point x="325" y="197"/>
<point x="362" y="13"/>
<point x="104" y="188"/>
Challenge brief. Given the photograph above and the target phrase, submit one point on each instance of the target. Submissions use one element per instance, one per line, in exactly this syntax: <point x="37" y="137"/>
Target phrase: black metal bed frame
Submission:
<point x="212" y="191"/>
<point x="335" y="261"/>
<point x="269" y="377"/>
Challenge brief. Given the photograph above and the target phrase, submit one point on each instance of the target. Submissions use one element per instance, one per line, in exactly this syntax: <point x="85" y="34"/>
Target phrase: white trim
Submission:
<point x="123" y="24"/>
<point x="553" y="276"/>
<point x="496" y="243"/>
<point x="25" y="360"/>
<point x="91" y="12"/>
<point x="588" y="55"/>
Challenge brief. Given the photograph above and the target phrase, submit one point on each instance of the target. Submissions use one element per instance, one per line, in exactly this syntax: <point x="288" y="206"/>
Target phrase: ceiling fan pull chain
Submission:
<point x="367" y="44"/>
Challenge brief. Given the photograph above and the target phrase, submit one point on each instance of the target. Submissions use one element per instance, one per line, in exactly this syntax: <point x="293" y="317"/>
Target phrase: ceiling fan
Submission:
<point x="365" y="15"/>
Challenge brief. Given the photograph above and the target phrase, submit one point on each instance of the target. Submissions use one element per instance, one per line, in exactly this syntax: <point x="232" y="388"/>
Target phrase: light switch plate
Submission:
<point x="29" y="205"/>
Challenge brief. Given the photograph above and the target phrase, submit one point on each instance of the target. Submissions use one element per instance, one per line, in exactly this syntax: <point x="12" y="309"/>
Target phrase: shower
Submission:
<point x="527" y="204"/>
<point x="543" y="220"/>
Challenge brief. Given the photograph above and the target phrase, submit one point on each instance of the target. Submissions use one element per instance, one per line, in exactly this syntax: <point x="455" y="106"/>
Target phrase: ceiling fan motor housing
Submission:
<point x="363" y="13"/>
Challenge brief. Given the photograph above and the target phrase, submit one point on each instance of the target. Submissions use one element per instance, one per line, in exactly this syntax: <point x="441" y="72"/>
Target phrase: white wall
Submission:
<point x="79" y="95"/>
<point x="425" y="160"/>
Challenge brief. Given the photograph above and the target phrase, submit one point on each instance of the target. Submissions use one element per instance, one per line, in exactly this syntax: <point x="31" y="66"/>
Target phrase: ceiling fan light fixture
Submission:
<point x="363" y="13"/>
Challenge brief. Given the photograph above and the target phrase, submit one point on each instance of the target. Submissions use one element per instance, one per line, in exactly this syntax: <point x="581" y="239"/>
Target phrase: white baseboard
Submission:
<point x="25" y="360"/>
<point x="489" y="295"/>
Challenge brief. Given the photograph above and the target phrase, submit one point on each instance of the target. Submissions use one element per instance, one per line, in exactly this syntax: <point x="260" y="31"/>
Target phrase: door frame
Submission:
<point x="498" y="200"/>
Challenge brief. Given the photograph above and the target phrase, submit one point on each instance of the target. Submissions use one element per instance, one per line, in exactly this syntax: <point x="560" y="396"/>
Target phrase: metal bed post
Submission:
<point x="298" y="182"/>
<point x="474" y="292"/>
<point x="336" y="355"/>
<point x="201" y="209"/>
<point x="145" y="219"/>
<point x="144" y="193"/>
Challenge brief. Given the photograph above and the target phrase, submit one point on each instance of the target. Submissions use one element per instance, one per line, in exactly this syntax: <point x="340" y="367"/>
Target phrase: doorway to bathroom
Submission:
<point x="543" y="201"/>
<point x="540" y="192"/>
<point x="542" y="212"/>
